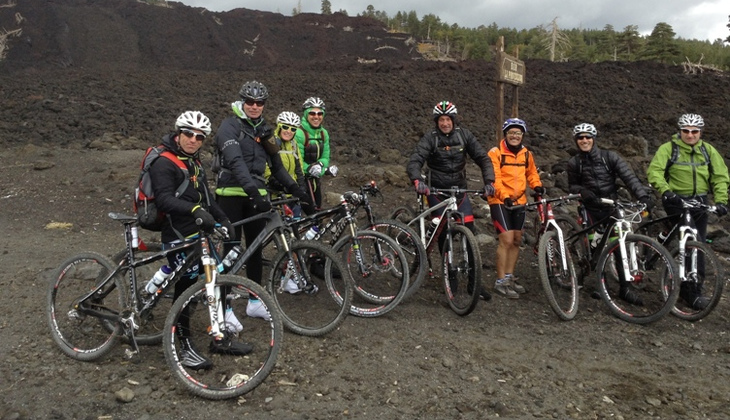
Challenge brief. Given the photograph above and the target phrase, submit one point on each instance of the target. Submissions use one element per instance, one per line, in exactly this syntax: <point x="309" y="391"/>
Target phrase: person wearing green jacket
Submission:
<point x="313" y="141"/>
<point x="689" y="167"/>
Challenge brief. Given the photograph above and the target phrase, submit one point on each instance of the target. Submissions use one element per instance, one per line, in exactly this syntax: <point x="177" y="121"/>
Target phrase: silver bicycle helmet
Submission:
<point x="691" y="120"/>
<point x="289" y="118"/>
<point x="313" y="102"/>
<point x="195" y="120"/>
<point x="254" y="90"/>
<point x="585" y="128"/>
<point x="444" y="108"/>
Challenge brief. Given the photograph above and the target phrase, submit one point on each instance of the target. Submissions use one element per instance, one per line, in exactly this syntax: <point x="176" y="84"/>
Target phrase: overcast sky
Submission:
<point x="704" y="20"/>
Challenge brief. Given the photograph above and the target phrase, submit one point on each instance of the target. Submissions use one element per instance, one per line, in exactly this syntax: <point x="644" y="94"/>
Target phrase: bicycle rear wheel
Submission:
<point x="703" y="273"/>
<point x="655" y="284"/>
<point x="81" y="335"/>
<point x="379" y="271"/>
<point x="227" y="375"/>
<point x="413" y="249"/>
<point x="309" y="288"/>
<point x="559" y="283"/>
<point x="462" y="270"/>
<point x="152" y="322"/>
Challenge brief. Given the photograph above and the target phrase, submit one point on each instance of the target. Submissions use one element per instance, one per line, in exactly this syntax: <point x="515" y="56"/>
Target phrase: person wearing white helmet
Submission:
<point x="195" y="202"/>
<point x="592" y="173"/>
<point x="287" y="124"/>
<point x="313" y="141"/>
<point x="689" y="167"/>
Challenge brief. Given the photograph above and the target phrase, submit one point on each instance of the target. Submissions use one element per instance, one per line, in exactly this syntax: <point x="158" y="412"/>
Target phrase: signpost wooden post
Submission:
<point x="511" y="71"/>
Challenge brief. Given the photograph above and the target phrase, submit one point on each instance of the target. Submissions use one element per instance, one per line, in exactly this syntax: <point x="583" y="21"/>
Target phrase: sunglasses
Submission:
<point x="251" y="102"/>
<point x="515" y="133"/>
<point x="584" y="137"/>
<point x="317" y="113"/>
<point x="190" y="133"/>
<point x="286" y="127"/>
<point x="688" y="131"/>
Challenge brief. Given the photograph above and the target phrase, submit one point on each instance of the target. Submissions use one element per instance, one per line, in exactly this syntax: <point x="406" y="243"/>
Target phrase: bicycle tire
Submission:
<point x="151" y="324"/>
<point x="384" y="285"/>
<point x="403" y="214"/>
<point x="462" y="270"/>
<point x="656" y="284"/>
<point x="560" y="285"/>
<point x="312" y="312"/>
<point x="80" y="336"/>
<point x="712" y="281"/>
<point x="229" y="376"/>
<point x="414" y="250"/>
<point x="577" y="246"/>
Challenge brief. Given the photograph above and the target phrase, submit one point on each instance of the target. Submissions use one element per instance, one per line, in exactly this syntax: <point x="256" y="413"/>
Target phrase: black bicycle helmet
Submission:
<point x="254" y="90"/>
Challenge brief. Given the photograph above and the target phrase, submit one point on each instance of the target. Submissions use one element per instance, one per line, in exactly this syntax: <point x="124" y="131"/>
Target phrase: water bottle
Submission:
<point x="160" y="276"/>
<point x="135" y="237"/>
<point x="231" y="257"/>
<point x="663" y="236"/>
<point x="434" y="224"/>
<point x="596" y="238"/>
<point x="312" y="232"/>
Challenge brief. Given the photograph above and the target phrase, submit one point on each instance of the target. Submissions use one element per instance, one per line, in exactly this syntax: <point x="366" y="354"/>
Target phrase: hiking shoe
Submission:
<point x="629" y="296"/>
<point x="256" y="309"/>
<point x="503" y="288"/>
<point x="516" y="286"/>
<point x="233" y="325"/>
<point x="291" y="287"/>
<point x="690" y="292"/>
<point x="191" y="358"/>
<point x="484" y="294"/>
<point x="229" y="347"/>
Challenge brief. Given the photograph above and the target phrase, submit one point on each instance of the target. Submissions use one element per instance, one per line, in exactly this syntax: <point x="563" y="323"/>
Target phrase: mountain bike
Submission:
<point x="308" y="292"/>
<point x="627" y="264"/>
<point x="373" y="260"/>
<point x="442" y="224"/>
<point x="557" y="273"/>
<point x="93" y="302"/>
<point x="700" y="269"/>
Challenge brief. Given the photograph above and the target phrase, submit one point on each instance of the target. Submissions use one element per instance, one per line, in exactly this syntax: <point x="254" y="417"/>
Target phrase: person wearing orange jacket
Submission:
<point x="514" y="170"/>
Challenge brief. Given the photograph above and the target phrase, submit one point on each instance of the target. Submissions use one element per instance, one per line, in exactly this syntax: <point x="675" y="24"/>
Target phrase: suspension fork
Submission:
<point x="212" y="293"/>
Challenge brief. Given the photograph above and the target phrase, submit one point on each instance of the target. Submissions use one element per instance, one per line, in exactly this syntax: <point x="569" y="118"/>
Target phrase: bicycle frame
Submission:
<point x="547" y="222"/>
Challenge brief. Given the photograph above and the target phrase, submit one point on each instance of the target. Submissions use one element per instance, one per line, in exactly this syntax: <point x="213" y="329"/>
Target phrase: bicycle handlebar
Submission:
<point x="541" y="200"/>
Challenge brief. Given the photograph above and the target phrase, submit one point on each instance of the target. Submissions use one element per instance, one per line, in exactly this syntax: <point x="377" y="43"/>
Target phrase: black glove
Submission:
<point x="205" y="220"/>
<point x="488" y="191"/>
<point x="421" y="187"/>
<point x="261" y="204"/>
<point x="671" y="199"/>
<point x="648" y="202"/>
<point x="509" y="202"/>
<point x="588" y="196"/>
<point x="305" y="201"/>
<point x="539" y="190"/>
<point x="721" y="209"/>
<point x="230" y="233"/>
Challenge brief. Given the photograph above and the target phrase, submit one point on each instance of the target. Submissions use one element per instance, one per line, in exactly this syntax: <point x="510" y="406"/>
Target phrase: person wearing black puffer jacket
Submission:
<point x="245" y="145"/>
<point x="592" y="173"/>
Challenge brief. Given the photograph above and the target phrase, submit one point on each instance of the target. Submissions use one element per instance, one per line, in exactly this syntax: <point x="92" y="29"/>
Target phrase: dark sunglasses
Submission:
<point x="583" y="137"/>
<point x="191" y="133"/>
<point x="251" y="102"/>
<point x="286" y="127"/>
<point x="688" y="131"/>
<point x="317" y="113"/>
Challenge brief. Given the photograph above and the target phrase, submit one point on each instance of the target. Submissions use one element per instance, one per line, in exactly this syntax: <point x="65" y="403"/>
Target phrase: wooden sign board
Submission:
<point x="511" y="70"/>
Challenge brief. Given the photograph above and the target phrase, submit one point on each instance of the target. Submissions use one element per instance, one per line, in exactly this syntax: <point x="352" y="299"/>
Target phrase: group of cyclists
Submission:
<point x="253" y="158"/>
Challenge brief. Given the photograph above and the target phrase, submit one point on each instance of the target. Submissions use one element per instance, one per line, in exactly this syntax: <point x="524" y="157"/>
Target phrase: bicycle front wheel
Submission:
<point x="413" y="249"/>
<point x="703" y="275"/>
<point x="215" y="371"/>
<point x="650" y="291"/>
<point x="462" y="270"/>
<point x="310" y="287"/>
<point x="379" y="271"/>
<point x="80" y="334"/>
<point x="559" y="282"/>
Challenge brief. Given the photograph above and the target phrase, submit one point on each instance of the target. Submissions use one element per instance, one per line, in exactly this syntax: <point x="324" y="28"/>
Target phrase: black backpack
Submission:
<point x="144" y="205"/>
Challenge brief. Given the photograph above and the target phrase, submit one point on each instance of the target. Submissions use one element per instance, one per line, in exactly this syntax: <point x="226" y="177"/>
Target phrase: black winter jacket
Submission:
<point x="166" y="178"/>
<point x="244" y="161"/>
<point x="446" y="158"/>
<point x="597" y="171"/>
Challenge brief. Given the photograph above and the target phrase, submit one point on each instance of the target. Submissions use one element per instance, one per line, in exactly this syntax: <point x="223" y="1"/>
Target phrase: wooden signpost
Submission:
<point x="510" y="71"/>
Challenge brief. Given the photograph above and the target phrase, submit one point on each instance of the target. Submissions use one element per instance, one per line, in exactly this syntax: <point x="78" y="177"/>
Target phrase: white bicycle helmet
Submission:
<point x="444" y="108"/>
<point x="254" y="90"/>
<point x="691" y="120"/>
<point x="585" y="128"/>
<point x="313" y="102"/>
<point x="289" y="118"/>
<point x="195" y="120"/>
